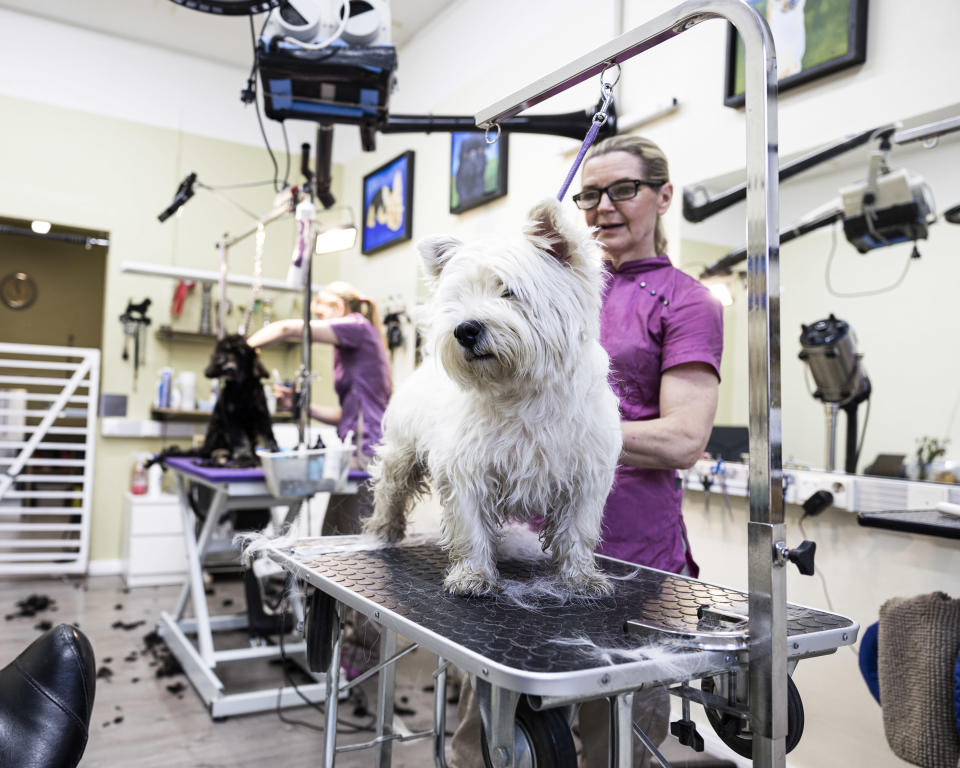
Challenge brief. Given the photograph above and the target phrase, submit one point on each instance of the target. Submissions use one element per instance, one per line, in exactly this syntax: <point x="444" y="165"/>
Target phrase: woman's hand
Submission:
<point x="284" y="395"/>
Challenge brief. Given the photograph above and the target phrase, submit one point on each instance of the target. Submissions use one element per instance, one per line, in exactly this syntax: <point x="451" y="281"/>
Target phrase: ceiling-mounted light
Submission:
<point x="40" y="227"/>
<point x="336" y="239"/>
<point x="339" y="236"/>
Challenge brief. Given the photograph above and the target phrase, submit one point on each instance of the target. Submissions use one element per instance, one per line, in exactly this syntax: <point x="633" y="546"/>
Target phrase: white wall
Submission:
<point x="76" y="68"/>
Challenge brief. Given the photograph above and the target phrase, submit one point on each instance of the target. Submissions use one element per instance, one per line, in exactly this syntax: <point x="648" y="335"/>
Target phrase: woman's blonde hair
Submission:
<point x="655" y="168"/>
<point x="353" y="301"/>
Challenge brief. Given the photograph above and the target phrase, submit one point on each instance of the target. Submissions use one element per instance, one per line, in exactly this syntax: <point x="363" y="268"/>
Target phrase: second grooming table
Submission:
<point x="233" y="489"/>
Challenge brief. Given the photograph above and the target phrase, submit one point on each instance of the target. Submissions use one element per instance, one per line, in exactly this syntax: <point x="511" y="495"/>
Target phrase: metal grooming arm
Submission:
<point x="766" y="530"/>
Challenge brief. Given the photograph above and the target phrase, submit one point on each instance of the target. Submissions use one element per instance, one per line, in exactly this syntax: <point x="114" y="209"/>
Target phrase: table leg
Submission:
<point x="386" y="683"/>
<point x="498" y="708"/>
<point x="440" y="714"/>
<point x="333" y="691"/>
<point x="194" y="586"/>
<point x="621" y="731"/>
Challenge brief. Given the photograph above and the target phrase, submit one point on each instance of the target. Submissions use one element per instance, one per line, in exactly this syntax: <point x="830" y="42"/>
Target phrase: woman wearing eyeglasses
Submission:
<point x="663" y="331"/>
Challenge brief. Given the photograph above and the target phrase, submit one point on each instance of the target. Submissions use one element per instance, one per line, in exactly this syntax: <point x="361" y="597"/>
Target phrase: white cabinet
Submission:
<point x="153" y="548"/>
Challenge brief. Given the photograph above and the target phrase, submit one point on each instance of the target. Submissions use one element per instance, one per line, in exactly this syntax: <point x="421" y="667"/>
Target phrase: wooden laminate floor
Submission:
<point x="143" y="720"/>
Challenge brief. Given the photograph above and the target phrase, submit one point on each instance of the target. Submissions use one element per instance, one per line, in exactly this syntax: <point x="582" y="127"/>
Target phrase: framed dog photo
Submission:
<point x="388" y="204"/>
<point x="478" y="171"/>
<point x="813" y="38"/>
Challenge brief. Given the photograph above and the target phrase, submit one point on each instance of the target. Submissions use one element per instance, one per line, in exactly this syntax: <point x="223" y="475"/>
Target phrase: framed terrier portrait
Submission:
<point x="478" y="171"/>
<point x="388" y="204"/>
<point x="813" y="38"/>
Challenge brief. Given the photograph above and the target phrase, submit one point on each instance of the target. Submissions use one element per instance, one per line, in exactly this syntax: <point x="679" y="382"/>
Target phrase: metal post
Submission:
<point x="333" y="693"/>
<point x="222" y="287"/>
<point x="830" y="449"/>
<point x="767" y="583"/>
<point x="620" y="740"/>
<point x="440" y="714"/>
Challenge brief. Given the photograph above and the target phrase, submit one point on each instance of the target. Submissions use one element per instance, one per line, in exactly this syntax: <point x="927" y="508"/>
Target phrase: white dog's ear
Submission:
<point x="549" y="230"/>
<point x="435" y="251"/>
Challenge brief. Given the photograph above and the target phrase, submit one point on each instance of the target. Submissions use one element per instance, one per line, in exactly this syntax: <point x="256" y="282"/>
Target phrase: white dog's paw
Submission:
<point x="591" y="583"/>
<point x="462" y="580"/>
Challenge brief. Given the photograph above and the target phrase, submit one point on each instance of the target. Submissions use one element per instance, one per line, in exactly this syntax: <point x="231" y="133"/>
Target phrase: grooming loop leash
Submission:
<point x="606" y="90"/>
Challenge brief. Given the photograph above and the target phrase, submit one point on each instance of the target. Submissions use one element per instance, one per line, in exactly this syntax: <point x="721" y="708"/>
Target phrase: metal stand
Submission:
<point x="830" y="449"/>
<point x="199" y="661"/>
<point x="767" y="578"/>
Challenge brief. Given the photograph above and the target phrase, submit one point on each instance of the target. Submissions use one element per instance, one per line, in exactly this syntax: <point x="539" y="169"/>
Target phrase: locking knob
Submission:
<point x="801" y="555"/>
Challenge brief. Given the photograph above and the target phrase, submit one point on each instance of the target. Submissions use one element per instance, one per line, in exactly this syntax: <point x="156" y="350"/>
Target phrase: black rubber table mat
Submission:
<point x="926" y="521"/>
<point x="407" y="581"/>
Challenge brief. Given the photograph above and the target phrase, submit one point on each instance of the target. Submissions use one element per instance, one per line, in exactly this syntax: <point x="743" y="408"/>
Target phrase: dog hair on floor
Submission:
<point x="510" y="416"/>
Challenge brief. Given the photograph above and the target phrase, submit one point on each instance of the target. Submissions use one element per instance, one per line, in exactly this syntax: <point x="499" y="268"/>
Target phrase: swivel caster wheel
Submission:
<point x="540" y="739"/>
<point x="320" y="629"/>
<point x="735" y="731"/>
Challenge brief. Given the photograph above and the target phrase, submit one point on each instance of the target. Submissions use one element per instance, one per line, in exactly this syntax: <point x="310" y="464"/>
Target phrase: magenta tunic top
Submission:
<point x="654" y="317"/>
<point x="361" y="378"/>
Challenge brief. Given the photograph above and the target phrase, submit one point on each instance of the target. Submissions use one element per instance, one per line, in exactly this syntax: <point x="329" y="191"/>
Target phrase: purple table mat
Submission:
<point x="192" y="466"/>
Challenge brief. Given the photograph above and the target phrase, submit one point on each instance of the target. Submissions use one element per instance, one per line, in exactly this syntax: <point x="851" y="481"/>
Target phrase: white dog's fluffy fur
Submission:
<point x="514" y="418"/>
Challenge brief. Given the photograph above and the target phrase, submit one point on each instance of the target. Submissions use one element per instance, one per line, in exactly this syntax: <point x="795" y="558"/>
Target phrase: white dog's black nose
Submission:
<point x="468" y="333"/>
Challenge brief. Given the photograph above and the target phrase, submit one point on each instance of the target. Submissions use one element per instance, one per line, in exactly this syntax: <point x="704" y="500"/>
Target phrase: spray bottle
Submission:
<point x="300" y="266"/>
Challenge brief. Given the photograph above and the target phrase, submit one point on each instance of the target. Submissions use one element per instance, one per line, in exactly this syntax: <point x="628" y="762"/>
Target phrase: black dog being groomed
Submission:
<point x="240" y="417"/>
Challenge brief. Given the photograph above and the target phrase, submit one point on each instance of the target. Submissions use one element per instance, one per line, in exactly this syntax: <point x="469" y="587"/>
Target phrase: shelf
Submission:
<point x="197" y="417"/>
<point x="168" y="333"/>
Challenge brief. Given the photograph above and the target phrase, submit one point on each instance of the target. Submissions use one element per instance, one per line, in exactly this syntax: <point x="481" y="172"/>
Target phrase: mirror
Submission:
<point x="900" y="302"/>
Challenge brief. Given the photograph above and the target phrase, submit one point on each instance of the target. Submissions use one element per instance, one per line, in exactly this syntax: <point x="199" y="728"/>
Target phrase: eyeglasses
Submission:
<point x="617" y="192"/>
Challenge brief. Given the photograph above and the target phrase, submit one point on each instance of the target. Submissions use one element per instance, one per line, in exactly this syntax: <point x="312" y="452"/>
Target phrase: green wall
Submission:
<point x="100" y="173"/>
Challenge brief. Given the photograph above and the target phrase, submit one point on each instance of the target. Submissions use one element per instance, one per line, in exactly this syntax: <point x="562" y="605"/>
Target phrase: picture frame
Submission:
<point x="813" y="38"/>
<point x="388" y="204"/>
<point x="478" y="170"/>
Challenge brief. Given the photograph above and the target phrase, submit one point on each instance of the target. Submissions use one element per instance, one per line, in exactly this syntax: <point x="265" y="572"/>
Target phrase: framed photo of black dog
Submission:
<point x="813" y="38"/>
<point x="478" y="170"/>
<point x="388" y="204"/>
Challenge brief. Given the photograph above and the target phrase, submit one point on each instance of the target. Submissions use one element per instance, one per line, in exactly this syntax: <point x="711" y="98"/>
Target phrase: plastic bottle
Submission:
<point x="138" y="479"/>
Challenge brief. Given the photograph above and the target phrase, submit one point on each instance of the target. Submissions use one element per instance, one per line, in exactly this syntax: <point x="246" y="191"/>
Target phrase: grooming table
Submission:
<point x="233" y="488"/>
<point x="538" y="651"/>
<point x="926" y="521"/>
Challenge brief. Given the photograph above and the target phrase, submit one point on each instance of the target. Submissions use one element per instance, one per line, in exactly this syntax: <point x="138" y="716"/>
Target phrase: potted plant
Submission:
<point x="929" y="449"/>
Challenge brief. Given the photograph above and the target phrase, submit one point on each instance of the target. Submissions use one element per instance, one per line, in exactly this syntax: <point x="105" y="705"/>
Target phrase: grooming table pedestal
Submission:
<point x="545" y="651"/>
<point x="240" y="488"/>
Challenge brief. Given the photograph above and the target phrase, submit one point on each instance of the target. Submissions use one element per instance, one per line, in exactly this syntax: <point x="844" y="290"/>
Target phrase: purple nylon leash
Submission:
<point x="591" y="135"/>
<point x="598" y="119"/>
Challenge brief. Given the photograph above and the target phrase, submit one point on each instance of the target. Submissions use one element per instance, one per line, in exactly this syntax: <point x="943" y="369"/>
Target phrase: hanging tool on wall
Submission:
<point x="394" y="315"/>
<point x="135" y="321"/>
<point x="180" y="295"/>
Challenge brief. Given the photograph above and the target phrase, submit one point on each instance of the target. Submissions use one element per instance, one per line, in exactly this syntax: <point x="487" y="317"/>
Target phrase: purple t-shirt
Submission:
<point x="654" y="317"/>
<point x="361" y="377"/>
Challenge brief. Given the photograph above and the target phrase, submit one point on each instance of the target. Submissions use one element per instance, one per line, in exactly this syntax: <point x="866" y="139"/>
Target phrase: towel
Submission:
<point x="918" y="644"/>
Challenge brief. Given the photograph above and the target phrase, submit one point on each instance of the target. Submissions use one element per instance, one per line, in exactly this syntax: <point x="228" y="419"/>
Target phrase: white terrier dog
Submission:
<point x="512" y="415"/>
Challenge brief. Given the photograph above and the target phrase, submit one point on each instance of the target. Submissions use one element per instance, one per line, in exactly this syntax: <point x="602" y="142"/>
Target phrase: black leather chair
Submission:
<point x="46" y="698"/>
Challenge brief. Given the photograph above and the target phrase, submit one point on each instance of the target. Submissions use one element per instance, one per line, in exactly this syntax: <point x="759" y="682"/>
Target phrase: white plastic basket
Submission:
<point x="304" y="472"/>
